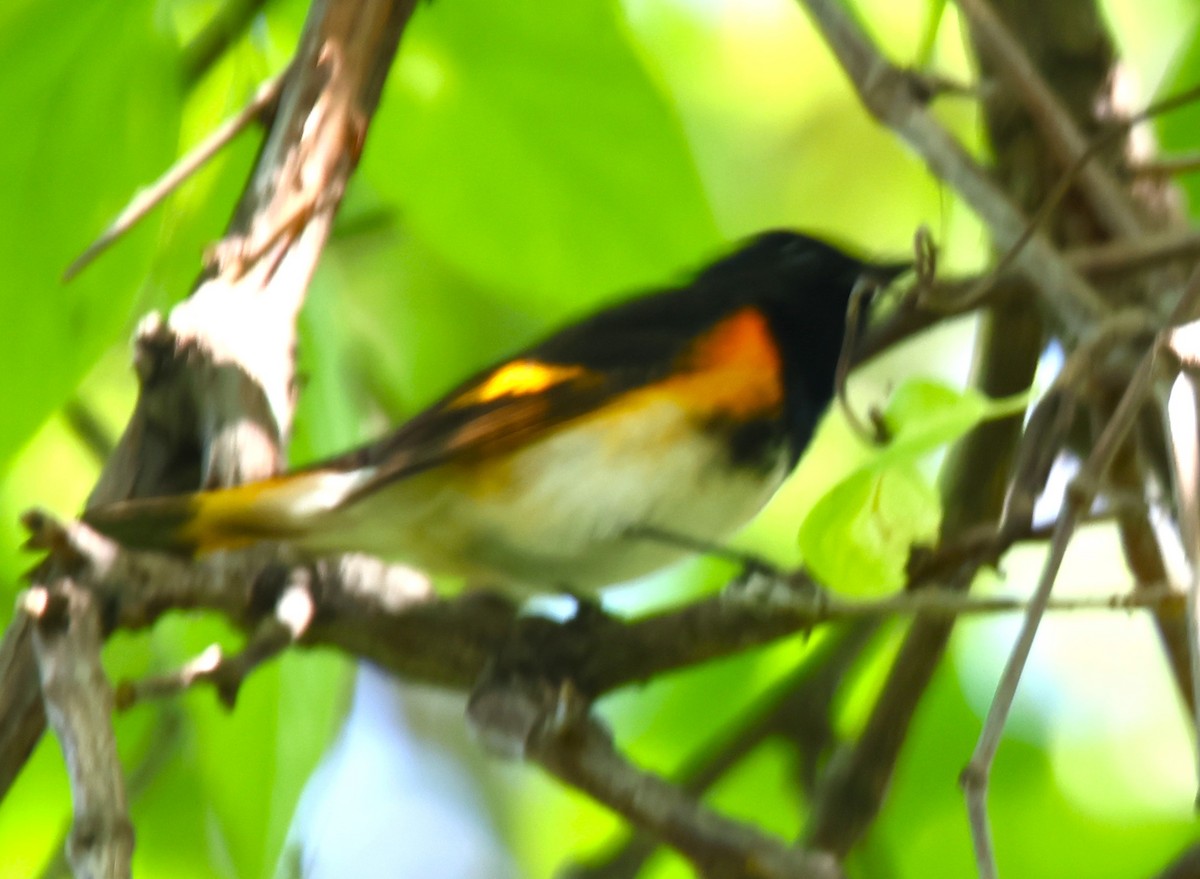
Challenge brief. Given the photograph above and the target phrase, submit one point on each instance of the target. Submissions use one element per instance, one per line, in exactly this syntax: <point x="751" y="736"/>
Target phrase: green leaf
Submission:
<point x="857" y="537"/>
<point x="856" y="540"/>
<point x="924" y="415"/>
<point x="93" y="87"/>
<point x="527" y="144"/>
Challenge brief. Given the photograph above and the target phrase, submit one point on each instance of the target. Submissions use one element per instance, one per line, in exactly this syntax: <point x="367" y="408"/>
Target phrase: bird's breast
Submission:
<point x="560" y="513"/>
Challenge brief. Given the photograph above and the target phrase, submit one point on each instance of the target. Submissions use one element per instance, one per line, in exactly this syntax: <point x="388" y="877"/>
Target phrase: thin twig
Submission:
<point x="1166" y="166"/>
<point x="1077" y="500"/>
<point x="860" y="297"/>
<point x="946" y="603"/>
<point x="273" y="635"/>
<point x="1109" y="202"/>
<point x="1083" y="161"/>
<point x="1136" y="250"/>
<point x="886" y="91"/>
<point x="798" y="709"/>
<point x="952" y="297"/>
<point x="1147" y="251"/>
<point x="150" y="197"/>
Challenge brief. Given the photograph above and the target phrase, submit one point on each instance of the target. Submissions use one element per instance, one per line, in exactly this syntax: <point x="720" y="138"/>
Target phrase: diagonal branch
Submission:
<point x="718" y="847"/>
<point x="79" y="703"/>
<point x="889" y="94"/>
<point x="217" y="386"/>
<point x="1107" y="199"/>
<point x="149" y="198"/>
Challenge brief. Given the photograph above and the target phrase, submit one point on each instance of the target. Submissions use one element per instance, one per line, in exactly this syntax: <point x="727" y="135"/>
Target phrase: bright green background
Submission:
<point x="529" y="161"/>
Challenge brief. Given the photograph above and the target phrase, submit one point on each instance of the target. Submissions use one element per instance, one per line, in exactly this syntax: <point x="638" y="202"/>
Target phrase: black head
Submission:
<point x="796" y="270"/>
<point x="803" y="286"/>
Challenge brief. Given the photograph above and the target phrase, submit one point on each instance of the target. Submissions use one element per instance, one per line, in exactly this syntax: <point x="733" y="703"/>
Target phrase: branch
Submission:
<point x="1059" y="131"/>
<point x="799" y="710"/>
<point x="888" y="93"/>
<point x="584" y="757"/>
<point x="389" y="615"/>
<point x="152" y="196"/>
<point x="1152" y="250"/>
<point x="217" y="386"/>
<point x="79" y="703"/>
<point x="1077" y="500"/>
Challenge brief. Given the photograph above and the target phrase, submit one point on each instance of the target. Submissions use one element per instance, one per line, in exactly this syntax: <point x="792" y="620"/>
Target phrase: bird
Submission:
<point x="569" y="466"/>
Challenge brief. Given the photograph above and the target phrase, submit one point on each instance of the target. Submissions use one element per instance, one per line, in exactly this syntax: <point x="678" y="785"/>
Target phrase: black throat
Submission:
<point x="810" y="343"/>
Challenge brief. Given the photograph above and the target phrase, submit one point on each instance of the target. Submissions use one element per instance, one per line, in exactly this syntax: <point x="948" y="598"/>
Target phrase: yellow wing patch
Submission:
<point x="209" y="528"/>
<point x="517" y="379"/>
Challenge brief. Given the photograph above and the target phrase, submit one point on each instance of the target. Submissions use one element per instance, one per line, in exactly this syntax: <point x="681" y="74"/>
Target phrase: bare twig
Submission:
<point x="150" y="197"/>
<point x="1082" y="163"/>
<point x="582" y="754"/>
<point x="1166" y="166"/>
<point x="951" y="297"/>
<point x="217" y="377"/>
<point x="1011" y="338"/>
<point x="885" y="91"/>
<point x="798" y="709"/>
<point x="1147" y="251"/>
<point x="860" y="297"/>
<point x="271" y="636"/>
<point x="1077" y="500"/>
<point x="1061" y="134"/>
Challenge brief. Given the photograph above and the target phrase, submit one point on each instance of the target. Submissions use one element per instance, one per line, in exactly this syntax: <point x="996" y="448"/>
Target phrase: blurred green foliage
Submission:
<point x="529" y="161"/>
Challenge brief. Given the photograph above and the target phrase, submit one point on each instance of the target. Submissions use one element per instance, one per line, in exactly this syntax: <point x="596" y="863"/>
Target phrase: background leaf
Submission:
<point x="96" y="89"/>
<point x="525" y="140"/>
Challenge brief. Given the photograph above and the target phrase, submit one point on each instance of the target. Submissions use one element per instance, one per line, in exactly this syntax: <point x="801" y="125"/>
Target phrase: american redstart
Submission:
<point x="677" y="412"/>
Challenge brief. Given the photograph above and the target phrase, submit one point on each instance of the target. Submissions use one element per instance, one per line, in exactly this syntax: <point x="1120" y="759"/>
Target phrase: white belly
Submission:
<point x="559" y="514"/>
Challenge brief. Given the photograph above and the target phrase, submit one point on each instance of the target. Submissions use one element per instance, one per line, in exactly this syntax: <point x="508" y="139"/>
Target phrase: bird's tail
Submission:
<point x="284" y="507"/>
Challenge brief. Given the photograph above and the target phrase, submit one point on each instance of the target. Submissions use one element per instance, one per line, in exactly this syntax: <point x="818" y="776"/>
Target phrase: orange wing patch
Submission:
<point x="518" y="379"/>
<point x="733" y="369"/>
